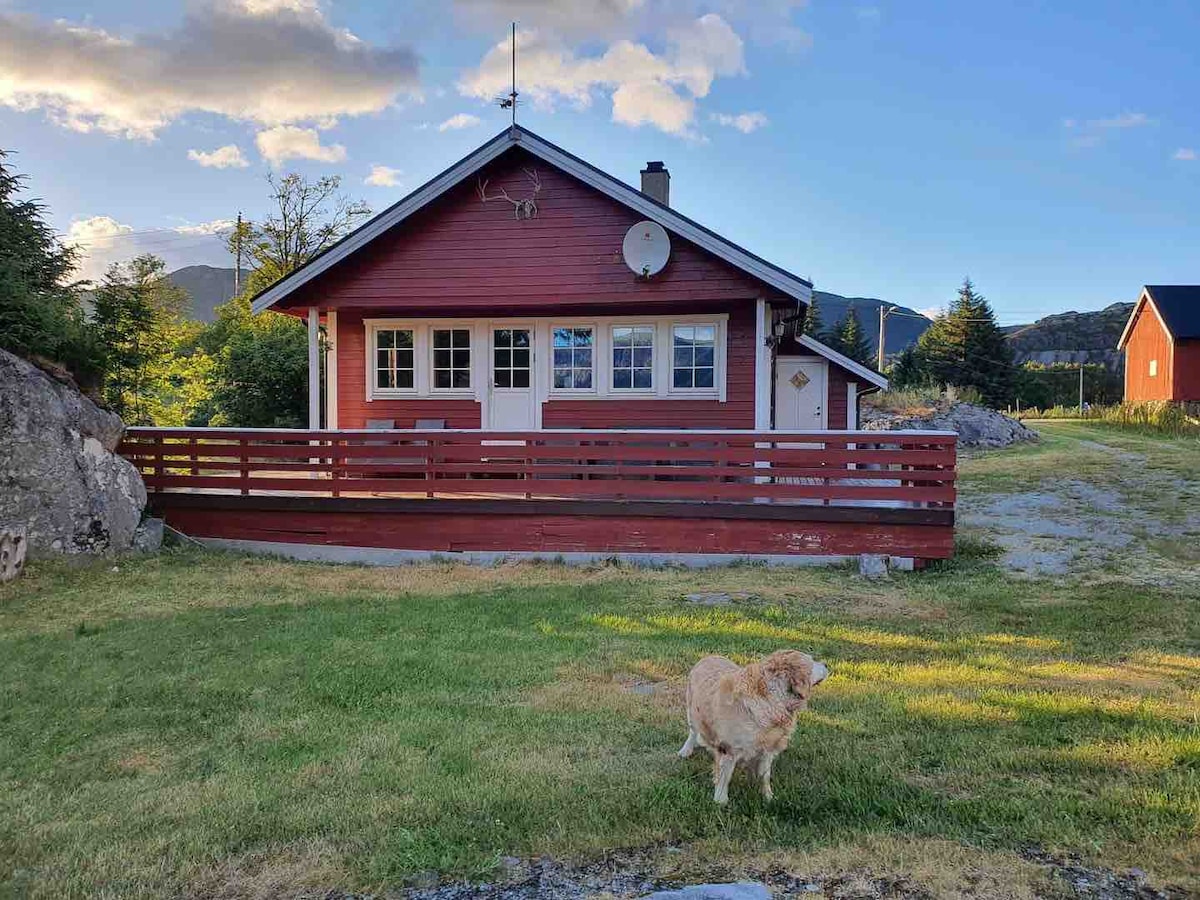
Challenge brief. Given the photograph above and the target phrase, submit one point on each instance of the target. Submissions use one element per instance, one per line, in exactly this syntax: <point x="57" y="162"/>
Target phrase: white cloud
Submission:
<point x="658" y="89"/>
<point x="932" y="312"/>
<point x="270" y="62"/>
<point x="1124" y="120"/>
<point x="102" y="241"/>
<point x="283" y="142"/>
<point x="227" y="157"/>
<point x="383" y="176"/>
<point x="1185" y="154"/>
<point x="744" y="122"/>
<point x="1094" y="132"/>
<point x="459" y="120"/>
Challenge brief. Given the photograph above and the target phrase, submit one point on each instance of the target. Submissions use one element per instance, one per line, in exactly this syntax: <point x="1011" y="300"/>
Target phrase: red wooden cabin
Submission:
<point x="1161" y="341"/>
<point x="498" y="379"/>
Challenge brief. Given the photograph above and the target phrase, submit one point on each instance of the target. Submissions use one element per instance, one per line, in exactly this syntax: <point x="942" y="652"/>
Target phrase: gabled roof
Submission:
<point x="791" y="285"/>
<point x="842" y="360"/>
<point x="1177" y="307"/>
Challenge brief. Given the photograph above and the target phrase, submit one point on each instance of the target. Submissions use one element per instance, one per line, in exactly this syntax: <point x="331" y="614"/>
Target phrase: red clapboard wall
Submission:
<point x="1148" y="342"/>
<point x="462" y="256"/>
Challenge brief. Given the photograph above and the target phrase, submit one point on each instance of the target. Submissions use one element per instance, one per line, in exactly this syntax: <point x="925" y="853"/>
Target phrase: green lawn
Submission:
<point x="196" y="722"/>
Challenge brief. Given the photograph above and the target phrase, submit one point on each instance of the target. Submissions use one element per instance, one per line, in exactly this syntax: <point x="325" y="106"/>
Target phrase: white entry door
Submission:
<point x="512" y="403"/>
<point x="801" y="393"/>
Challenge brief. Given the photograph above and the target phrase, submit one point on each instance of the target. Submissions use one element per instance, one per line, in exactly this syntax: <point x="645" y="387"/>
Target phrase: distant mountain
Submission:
<point x="208" y="286"/>
<point x="1072" y="337"/>
<point x="903" y="328"/>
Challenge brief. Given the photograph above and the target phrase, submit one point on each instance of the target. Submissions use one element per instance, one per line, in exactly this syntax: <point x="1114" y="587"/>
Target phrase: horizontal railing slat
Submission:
<point x="909" y="468"/>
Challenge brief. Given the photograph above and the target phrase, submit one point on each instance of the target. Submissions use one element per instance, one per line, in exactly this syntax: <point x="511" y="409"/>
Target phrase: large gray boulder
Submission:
<point x="59" y="477"/>
<point x="977" y="426"/>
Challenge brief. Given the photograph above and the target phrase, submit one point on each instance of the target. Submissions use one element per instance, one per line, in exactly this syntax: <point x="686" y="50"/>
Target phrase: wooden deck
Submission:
<point x="592" y="492"/>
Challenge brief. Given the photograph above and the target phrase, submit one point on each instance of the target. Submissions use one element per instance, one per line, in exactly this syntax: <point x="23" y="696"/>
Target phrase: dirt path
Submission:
<point x="1089" y="503"/>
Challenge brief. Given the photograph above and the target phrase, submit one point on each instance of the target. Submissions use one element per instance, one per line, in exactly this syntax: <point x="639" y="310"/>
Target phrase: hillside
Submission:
<point x="208" y="286"/>
<point x="903" y="327"/>
<point x="1065" y="337"/>
<point x="1072" y="337"/>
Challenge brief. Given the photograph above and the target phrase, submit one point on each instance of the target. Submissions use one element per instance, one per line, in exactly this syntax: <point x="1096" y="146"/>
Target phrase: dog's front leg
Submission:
<point x="723" y="765"/>
<point x="764" y="772"/>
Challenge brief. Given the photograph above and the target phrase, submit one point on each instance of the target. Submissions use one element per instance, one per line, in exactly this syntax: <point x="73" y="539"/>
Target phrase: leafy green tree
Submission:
<point x="41" y="317"/>
<point x="965" y="347"/>
<point x="261" y="370"/>
<point x="260" y="362"/>
<point x="133" y="310"/>
<point x="850" y="340"/>
<point x="307" y="218"/>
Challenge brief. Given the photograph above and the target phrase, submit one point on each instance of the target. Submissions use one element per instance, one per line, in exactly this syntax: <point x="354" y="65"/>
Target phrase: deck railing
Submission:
<point x="842" y="468"/>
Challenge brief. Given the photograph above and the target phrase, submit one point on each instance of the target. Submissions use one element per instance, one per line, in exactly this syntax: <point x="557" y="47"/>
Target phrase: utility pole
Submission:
<point x="884" y="312"/>
<point x="237" y="269"/>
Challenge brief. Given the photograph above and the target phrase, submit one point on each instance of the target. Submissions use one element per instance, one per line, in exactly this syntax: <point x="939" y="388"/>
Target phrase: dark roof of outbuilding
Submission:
<point x="1179" y="306"/>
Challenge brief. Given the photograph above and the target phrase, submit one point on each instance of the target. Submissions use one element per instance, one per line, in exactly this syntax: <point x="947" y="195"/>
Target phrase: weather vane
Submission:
<point x="510" y="100"/>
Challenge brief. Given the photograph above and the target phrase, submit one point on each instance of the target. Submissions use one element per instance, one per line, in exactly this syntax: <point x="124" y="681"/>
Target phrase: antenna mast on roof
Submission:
<point x="510" y="101"/>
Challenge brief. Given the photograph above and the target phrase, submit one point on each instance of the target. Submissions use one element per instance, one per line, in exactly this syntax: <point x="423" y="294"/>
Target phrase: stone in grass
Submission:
<point x="872" y="565"/>
<point x="742" y="890"/>
<point x="719" y="598"/>
<point x="148" y="536"/>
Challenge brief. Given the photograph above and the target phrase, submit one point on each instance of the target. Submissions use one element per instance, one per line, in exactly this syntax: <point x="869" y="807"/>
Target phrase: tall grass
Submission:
<point x="1156" y="416"/>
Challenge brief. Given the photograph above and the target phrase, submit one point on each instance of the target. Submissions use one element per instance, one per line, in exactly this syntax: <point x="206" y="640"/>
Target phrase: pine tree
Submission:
<point x="133" y="311"/>
<point x="812" y="320"/>
<point x="40" y="314"/>
<point x="850" y="340"/>
<point x="966" y="348"/>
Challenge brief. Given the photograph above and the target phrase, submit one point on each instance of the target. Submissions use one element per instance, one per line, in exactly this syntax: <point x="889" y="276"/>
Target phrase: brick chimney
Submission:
<point x="656" y="182"/>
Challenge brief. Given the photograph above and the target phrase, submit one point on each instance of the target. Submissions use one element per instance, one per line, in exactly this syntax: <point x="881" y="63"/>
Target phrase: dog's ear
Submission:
<point x="753" y="680"/>
<point x="798" y="668"/>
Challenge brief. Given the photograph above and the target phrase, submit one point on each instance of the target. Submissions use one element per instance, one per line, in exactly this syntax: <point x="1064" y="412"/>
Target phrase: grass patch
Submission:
<point x="199" y="720"/>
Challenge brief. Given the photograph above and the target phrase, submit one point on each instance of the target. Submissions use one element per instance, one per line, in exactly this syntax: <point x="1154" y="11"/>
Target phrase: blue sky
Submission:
<point x="1050" y="151"/>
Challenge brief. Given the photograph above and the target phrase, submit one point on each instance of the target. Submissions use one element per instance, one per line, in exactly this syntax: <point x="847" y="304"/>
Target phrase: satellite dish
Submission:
<point x="646" y="248"/>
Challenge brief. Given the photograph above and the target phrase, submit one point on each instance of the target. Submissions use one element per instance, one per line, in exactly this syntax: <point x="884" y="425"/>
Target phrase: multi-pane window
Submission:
<point x="694" y="364"/>
<point x="511" y="361"/>
<point x="451" y="358"/>
<point x="394" y="358"/>
<point x="633" y="357"/>
<point x="573" y="358"/>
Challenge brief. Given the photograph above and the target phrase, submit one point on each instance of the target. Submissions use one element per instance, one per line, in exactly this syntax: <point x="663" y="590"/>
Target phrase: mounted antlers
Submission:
<point x="522" y="209"/>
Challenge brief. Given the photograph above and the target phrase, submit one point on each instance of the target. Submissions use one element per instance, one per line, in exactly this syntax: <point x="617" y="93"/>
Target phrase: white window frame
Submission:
<point x="543" y="368"/>
<point x="422" y="330"/>
<point x="611" y="368"/>
<point x="470" y="327"/>
<point x="596" y="368"/>
<point x="718" y="362"/>
<point x="373" y="367"/>
<point x="1154" y="368"/>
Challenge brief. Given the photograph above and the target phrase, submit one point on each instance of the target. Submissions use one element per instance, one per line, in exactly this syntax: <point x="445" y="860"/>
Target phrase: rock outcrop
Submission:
<point x="977" y="426"/>
<point x="60" y="479"/>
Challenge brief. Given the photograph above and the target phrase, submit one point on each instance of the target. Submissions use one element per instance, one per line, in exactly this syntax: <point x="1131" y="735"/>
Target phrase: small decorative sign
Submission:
<point x="799" y="380"/>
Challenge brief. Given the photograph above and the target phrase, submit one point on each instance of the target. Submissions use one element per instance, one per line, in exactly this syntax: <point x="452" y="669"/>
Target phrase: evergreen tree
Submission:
<point x="40" y="314"/>
<point x="812" y="320"/>
<point x="850" y="340"/>
<point x="965" y="347"/>
<point x="133" y="311"/>
<point x="906" y="371"/>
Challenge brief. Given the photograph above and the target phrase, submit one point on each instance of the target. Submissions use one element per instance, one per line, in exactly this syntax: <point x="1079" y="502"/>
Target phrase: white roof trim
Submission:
<point x="789" y="284"/>
<point x="1145" y="298"/>
<point x="844" y="361"/>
